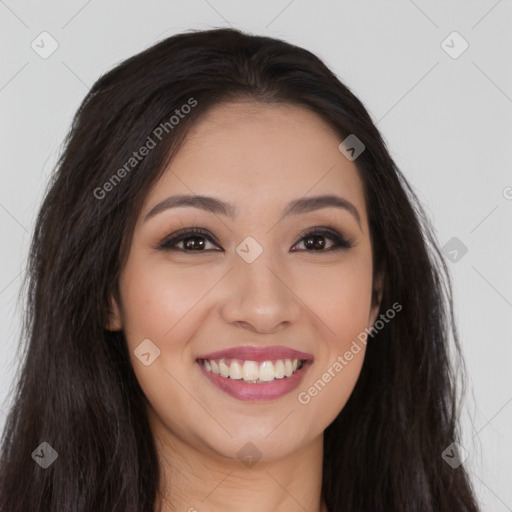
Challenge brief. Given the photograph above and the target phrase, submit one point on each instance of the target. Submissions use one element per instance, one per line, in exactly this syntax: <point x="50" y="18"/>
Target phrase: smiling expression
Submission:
<point x="268" y="271"/>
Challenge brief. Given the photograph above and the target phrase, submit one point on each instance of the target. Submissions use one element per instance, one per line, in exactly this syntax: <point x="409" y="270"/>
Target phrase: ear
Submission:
<point x="378" y="289"/>
<point x="114" y="322"/>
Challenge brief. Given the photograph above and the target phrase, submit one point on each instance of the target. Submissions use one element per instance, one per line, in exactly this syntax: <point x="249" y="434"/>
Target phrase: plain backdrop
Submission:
<point x="445" y="114"/>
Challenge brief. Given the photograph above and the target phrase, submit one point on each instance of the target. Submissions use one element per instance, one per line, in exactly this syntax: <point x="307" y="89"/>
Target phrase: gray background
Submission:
<point x="446" y="121"/>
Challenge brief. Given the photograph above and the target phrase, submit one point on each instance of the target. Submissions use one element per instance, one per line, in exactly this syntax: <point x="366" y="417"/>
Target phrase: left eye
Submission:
<point x="196" y="240"/>
<point x="315" y="240"/>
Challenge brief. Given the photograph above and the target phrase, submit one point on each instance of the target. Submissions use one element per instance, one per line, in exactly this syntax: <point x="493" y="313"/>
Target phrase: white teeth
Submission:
<point x="252" y="371"/>
<point x="267" y="372"/>
<point x="224" y="368"/>
<point x="215" y="367"/>
<point x="235" y="370"/>
<point x="279" y="369"/>
<point x="288" y="368"/>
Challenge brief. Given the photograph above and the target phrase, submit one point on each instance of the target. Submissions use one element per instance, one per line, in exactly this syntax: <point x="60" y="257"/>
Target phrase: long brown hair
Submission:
<point x="76" y="389"/>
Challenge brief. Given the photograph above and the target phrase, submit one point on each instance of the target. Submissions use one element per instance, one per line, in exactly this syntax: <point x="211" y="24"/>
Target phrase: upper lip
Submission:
<point x="252" y="353"/>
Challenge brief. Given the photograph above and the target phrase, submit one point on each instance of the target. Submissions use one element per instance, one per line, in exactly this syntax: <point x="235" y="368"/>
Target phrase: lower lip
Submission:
<point x="242" y="390"/>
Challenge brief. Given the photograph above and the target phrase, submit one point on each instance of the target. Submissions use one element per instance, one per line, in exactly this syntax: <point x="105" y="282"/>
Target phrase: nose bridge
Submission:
<point x="260" y="294"/>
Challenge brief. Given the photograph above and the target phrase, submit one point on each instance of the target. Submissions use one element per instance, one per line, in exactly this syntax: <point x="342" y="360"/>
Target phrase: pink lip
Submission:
<point x="258" y="354"/>
<point x="255" y="392"/>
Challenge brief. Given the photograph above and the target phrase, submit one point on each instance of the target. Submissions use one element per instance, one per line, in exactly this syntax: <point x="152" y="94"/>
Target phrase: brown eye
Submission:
<point x="315" y="241"/>
<point x="193" y="240"/>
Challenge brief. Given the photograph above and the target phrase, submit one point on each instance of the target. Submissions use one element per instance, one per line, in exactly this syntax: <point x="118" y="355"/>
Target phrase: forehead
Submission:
<point x="259" y="154"/>
<point x="274" y="126"/>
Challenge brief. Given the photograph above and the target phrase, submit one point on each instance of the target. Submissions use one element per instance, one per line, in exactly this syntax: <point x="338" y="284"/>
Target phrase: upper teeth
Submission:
<point x="252" y="370"/>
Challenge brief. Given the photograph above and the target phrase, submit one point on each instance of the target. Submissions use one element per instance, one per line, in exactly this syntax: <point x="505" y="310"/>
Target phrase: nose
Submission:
<point x="260" y="297"/>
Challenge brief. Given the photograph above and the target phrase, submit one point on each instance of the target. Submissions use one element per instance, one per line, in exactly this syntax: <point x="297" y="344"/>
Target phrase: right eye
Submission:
<point x="193" y="240"/>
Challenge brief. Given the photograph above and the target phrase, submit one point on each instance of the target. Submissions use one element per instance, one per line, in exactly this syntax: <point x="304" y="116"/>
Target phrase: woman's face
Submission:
<point x="253" y="284"/>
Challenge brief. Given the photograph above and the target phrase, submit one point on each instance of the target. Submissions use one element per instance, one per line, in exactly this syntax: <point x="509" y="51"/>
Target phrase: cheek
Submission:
<point x="162" y="306"/>
<point x="339" y="296"/>
<point x="157" y="302"/>
<point x="328" y="389"/>
<point x="340" y="299"/>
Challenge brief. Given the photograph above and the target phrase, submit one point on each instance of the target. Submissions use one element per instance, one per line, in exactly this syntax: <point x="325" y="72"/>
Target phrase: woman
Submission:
<point x="235" y="301"/>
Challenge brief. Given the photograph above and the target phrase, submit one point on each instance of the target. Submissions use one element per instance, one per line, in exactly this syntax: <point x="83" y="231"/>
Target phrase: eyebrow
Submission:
<point x="216" y="206"/>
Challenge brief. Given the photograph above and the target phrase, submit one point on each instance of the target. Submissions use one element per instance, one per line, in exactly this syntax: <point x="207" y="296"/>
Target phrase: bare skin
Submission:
<point x="191" y="302"/>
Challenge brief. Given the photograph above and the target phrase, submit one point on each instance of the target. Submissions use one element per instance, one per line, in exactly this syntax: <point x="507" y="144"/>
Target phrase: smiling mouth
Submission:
<point x="253" y="372"/>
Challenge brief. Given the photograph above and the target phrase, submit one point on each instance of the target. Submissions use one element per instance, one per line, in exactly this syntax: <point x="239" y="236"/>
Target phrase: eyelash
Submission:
<point x="340" y="242"/>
